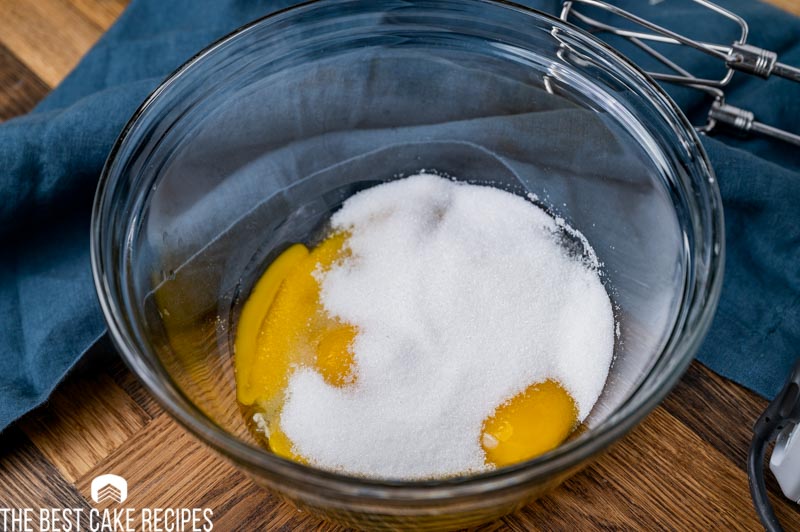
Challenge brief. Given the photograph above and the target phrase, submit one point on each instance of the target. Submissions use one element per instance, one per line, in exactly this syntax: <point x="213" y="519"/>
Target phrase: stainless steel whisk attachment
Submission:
<point x="739" y="56"/>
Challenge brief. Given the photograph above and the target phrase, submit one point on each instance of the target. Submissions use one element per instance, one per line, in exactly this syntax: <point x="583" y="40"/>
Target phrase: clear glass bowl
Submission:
<point x="251" y="145"/>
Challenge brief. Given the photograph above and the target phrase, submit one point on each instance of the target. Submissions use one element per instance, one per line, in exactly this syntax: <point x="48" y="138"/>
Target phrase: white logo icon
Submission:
<point x="111" y="487"/>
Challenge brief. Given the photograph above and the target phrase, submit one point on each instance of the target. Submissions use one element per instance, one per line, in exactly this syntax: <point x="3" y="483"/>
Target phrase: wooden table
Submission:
<point x="683" y="468"/>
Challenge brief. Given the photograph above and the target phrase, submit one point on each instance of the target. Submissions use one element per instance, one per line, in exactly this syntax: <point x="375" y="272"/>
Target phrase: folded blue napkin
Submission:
<point x="50" y="161"/>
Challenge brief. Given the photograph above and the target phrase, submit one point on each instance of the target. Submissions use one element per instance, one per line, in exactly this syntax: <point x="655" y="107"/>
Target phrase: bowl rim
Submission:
<point x="563" y="458"/>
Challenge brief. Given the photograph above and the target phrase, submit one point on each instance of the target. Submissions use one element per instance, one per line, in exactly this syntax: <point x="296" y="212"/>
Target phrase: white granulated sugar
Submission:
<point x="462" y="297"/>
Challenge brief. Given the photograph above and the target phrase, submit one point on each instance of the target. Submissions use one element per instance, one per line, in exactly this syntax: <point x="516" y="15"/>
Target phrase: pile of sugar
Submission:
<point x="463" y="297"/>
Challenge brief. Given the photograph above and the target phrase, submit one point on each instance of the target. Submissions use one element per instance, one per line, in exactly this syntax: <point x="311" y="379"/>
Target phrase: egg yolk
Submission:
<point x="531" y="423"/>
<point x="283" y="326"/>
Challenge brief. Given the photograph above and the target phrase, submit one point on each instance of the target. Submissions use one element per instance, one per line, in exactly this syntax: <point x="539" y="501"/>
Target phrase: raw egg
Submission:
<point x="283" y="326"/>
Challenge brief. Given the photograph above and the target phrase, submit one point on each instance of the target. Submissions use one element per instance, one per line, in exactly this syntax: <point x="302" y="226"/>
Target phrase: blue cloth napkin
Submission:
<point x="50" y="161"/>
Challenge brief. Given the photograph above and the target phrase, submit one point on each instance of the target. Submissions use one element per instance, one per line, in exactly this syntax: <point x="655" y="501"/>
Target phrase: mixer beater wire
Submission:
<point x="738" y="56"/>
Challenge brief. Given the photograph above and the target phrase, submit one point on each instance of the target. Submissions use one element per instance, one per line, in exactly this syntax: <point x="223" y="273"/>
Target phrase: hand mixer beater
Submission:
<point x="738" y="56"/>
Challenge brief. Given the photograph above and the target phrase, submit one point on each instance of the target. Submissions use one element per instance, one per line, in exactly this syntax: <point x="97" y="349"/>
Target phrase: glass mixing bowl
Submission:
<point x="255" y="141"/>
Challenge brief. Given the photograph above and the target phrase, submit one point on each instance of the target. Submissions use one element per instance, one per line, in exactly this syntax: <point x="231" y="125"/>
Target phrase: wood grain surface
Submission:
<point x="681" y="469"/>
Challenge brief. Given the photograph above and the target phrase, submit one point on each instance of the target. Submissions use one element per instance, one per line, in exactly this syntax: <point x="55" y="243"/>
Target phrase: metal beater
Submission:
<point x="738" y="56"/>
